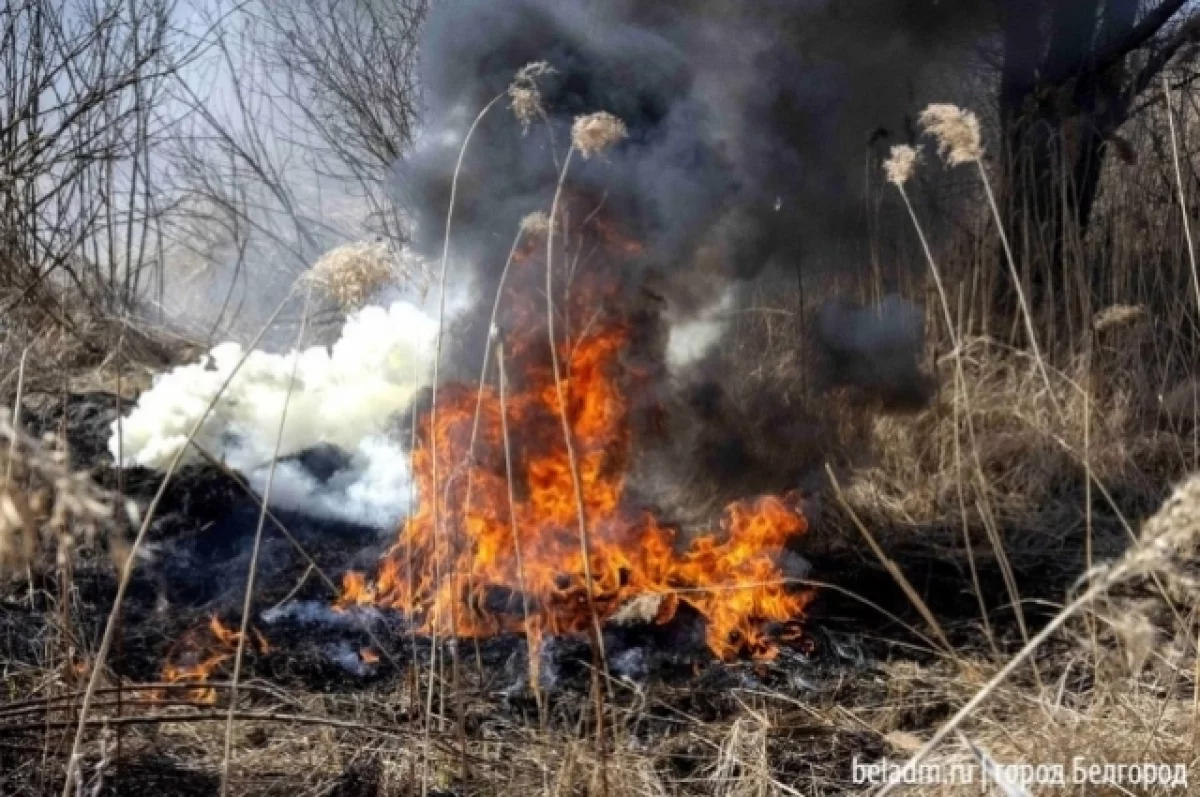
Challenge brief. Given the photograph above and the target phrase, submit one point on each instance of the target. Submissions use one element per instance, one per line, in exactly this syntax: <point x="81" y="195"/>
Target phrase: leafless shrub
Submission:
<point x="83" y="113"/>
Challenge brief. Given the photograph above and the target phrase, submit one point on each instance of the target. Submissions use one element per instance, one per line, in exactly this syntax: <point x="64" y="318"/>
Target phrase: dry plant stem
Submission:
<point x="1099" y="586"/>
<point x="248" y="599"/>
<point x="120" y="409"/>
<point x="1027" y="318"/>
<point x="437" y="512"/>
<point x="300" y="582"/>
<point x="216" y="716"/>
<point x="961" y="387"/>
<point x="275" y="521"/>
<point x="1089" y="563"/>
<point x="1006" y="571"/>
<point x="8" y="466"/>
<point x="48" y="703"/>
<point x="568" y="438"/>
<point x="470" y="463"/>
<point x="577" y="483"/>
<point x="16" y="416"/>
<point x="414" y="697"/>
<point x="16" y="424"/>
<point x="892" y="568"/>
<point x="131" y="557"/>
<point x="530" y="638"/>
<point x="1026" y="314"/>
<point x="1183" y="209"/>
<point x="487" y="350"/>
<point x="1187" y="232"/>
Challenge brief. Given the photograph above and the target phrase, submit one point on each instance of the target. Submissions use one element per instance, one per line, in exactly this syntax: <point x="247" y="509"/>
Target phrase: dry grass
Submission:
<point x="1043" y="466"/>
<point x="44" y="504"/>
<point x="1117" y="680"/>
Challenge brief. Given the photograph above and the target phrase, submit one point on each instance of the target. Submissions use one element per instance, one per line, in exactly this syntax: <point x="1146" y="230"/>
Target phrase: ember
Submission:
<point x="472" y="562"/>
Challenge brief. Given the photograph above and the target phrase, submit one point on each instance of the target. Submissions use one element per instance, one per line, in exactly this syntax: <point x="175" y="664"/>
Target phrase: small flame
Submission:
<point x="201" y="652"/>
<point x="222" y="634"/>
<point x="368" y="656"/>
<point x="356" y="591"/>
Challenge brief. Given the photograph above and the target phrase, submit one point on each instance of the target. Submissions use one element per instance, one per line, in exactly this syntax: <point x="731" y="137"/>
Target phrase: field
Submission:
<point x="791" y="562"/>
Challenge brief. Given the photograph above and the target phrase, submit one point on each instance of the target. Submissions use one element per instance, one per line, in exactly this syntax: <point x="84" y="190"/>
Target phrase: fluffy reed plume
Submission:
<point x="353" y="273"/>
<point x="901" y="164"/>
<point x="42" y="499"/>
<point x="536" y="224"/>
<point x="1172" y="535"/>
<point x="956" y="131"/>
<point x="1118" y="315"/>
<point x="596" y="132"/>
<point x="1167" y="547"/>
<point x="525" y="98"/>
<point x="959" y="142"/>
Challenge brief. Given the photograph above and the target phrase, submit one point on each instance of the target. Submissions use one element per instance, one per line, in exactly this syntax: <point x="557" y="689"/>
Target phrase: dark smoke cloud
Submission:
<point x="749" y="129"/>
<point x="748" y="122"/>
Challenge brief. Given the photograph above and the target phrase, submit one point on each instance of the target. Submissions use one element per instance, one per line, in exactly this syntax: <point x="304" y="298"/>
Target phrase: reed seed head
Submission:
<point x="1119" y="315"/>
<point x="525" y="98"/>
<point x="596" y="132"/>
<point x="535" y="224"/>
<point x="353" y="273"/>
<point x="956" y="130"/>
<point x="901" y="164"/>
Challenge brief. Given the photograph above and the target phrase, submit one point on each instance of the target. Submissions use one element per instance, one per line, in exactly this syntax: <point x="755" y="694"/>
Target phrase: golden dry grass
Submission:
<point x="44" y="504"/>
<point x="1040" y="467"/>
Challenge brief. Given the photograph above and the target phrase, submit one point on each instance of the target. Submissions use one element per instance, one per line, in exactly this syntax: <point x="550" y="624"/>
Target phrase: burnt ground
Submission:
<point x="199" y="549"/>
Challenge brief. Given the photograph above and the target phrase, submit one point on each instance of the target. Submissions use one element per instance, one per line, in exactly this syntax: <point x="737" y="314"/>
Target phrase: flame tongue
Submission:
<point x="201" y="652"/>
<point x="485" y="565"/>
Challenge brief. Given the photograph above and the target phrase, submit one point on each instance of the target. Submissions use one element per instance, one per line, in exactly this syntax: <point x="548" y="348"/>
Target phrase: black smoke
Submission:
<point x="750" y="126"/>
<point x="749" y="122"/>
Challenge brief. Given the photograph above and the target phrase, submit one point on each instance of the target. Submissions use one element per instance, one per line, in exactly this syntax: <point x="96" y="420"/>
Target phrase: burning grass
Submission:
<point x="201" y="652"/>
<point x="471" y="563"/>
<point x="1020" y="481"/>
<point x="873" y="690"/>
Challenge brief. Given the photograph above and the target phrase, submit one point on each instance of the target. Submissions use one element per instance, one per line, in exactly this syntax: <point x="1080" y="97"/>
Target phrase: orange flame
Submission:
<point x="200" y="652"/>
<point x="458" y="565"/>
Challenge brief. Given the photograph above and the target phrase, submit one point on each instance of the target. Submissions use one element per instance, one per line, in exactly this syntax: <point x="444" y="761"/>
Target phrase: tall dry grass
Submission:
<point x="1045" y="465"/>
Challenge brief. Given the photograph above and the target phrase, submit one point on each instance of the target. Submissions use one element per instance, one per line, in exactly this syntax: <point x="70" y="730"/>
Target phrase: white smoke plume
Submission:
<point x="343" y="396"/>
<point x="691" y="337"/>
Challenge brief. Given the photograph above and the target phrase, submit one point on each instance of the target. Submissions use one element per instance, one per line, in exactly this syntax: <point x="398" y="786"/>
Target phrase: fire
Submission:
<point x="473" y="563"/>
<point x="201" y="652"/>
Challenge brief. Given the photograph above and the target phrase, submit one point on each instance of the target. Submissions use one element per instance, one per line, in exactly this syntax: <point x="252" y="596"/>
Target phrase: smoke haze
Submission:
<point x="748" y="133"/>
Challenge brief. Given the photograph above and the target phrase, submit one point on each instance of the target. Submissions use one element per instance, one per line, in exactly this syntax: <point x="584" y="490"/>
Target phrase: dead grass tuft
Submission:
<point x="43" y="503"/>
